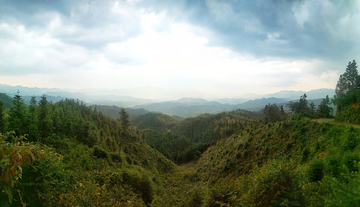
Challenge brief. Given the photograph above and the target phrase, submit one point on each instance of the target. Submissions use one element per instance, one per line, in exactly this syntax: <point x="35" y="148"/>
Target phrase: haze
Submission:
<point x="167" y="50"/>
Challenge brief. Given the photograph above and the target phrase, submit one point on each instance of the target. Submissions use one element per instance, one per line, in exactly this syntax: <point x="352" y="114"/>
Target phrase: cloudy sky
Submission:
<point x="172" y="49"/>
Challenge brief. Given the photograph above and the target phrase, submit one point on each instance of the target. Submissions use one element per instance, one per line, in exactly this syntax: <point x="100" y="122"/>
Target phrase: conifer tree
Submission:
<point x="348" y="81"/>
<point x="17" y="116"/>
<point x="44" y="121"/>
<point x="33" y="120"/>
<point x="347" y="87"/>
<point x="124" y="118"/>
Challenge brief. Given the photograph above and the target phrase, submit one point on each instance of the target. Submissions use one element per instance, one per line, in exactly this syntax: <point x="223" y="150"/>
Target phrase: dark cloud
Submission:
<point x="272" y="27"/>
<point x="265" y="28"/>
<point x="88" y="23"/>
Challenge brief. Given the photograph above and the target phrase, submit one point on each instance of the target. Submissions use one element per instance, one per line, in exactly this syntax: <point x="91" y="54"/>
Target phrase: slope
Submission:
<point x="90" y="158"/>
<point x="297" y="162"/>
<point x="7" y="100"/>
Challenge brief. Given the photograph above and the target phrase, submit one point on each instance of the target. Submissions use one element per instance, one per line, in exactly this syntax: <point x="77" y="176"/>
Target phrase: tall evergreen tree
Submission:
<point x="124" y="118"/>
<point x="325" y="110"/>
<point x="17" y="116"/>
<point x="2" y="117"/>
<point x="348" y="81"/>
<point x="347" y="86"/>
<point x="44" y="121"/>
<point x="33" y="120"/>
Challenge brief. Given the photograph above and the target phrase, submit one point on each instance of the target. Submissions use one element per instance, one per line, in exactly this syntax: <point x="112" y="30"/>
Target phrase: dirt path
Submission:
<point x="324" y="120"/>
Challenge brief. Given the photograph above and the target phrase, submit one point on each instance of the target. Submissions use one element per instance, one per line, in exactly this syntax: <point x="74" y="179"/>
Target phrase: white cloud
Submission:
<point x="174" y="58"/>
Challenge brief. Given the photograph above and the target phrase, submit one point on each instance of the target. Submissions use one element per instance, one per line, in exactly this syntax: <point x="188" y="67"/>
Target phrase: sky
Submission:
<point x="160" y="49"/>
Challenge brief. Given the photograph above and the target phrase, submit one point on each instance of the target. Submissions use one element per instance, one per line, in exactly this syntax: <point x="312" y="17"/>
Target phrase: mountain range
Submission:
<point x="184" y="107"/>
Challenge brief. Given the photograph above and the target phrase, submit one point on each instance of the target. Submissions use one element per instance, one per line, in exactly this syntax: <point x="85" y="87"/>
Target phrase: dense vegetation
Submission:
<point x="74" y="156"/>
<point x="68" y="154"/>
<point x="183" y="140"/>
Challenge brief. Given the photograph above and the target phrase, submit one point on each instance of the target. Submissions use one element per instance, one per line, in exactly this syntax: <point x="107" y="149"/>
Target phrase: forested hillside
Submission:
<point x="69" y="154"/>
<point x="6" y="100"/>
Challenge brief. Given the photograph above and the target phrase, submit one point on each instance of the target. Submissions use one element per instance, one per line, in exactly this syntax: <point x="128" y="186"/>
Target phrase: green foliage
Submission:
<point x="347" y="86"/>
<point x="100" y="153"/>
<point x="223" y="193"/>
<point x="300" y="107"/>
<point x="316" y="170"/>
<point x="139" y="182"/>
<point x="351" y="160"/>
<point x="325" y="111"/>
<point x="124" y="119"/>
<point x="272" y="113"/>
<point x="344" y="194"/>
<point x="13" y="156"/>
<point x="2" y="118"/>
<point x="18" y="116"/>
<point x="116" y="157"/>
<point x="305" y="154"/>
<point x="7" y="100"/>
<point x="45" y="123"/>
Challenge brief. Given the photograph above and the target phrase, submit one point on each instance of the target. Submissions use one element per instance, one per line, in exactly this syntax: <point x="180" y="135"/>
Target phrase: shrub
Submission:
<point x="350" y="142"/>
<point x="334" y="166"/>
<point x="115" y="157"/>
<point x="305" y="154"/>
<point x="316" y="170"/>
<point x="140" y="183"/>
<point x="129" y="160"/>
<point x="350" y="161"/>
<point x="100" y="152"/>
<point x="222" y="194"/>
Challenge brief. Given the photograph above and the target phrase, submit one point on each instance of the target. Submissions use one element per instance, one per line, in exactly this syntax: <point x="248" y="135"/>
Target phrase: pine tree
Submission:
<point x="124" y="118"/>
<point x="347" y="86"/>
<point x="33" y="120"/>
<point x="44" y="121"/>
<point x="348" y="81"/>
<point x="17" y="116"/>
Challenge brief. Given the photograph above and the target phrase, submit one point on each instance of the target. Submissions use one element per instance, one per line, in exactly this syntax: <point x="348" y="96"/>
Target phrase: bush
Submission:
<point x="129" y="160"/>
<point x="222" y="194"/>
<point x="351" y="142"/>
<point x="316" y="170"/>
<point x="305" y="154"/>
<point x="100" y="152"/>
<point x="140" y="183"/>
<point x="116" y="157"/>
<point x="350" y="161"/>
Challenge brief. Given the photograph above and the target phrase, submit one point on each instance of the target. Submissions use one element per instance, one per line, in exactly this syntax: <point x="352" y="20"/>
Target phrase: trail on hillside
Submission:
<point x="327" y="120"/>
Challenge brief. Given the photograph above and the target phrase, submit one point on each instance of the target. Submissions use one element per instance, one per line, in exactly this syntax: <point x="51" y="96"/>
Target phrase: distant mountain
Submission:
<point x="232" y="101"/>
<point x="55" y="93"/>
<point x="191" y="101"/>
<point x="293" y="95"/>
<point x="258" y="104"/>
<point x="26" y="91"/>
<point x="113" y="111"/>
<point x="190" y="107"/>
<point x="186" y="107"/>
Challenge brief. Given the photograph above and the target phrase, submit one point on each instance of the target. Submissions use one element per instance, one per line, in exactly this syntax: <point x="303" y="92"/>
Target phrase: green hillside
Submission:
<point x="298" y="162"/>
<point x="7" y="100"/>
<point x="68" y="154"/>
<point x="91" y="159"/>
